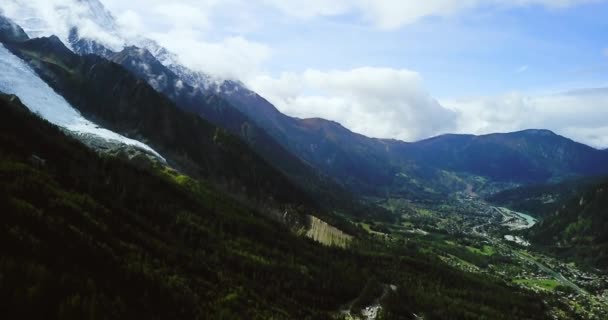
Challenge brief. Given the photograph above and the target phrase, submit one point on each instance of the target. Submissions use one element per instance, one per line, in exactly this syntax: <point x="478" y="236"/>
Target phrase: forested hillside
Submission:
<point x="541" y="200"/>
<point x="86" y="236"/>
<point x="579" y="228"/>
<point x="109" y="95"/>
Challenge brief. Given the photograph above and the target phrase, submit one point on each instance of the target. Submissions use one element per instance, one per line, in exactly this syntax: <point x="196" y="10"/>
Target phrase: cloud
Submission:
<point x="56" y="17"/>
<point x="580" y="115"/>
<point x="188" y="28"/>
<point x="184" y="27"/>
<point x="311" y="8"/>
<point x="379" y="102"/>
<point x="393" y="14"/>
<point x="522" y="69"/>
<point x="230" y="58"/>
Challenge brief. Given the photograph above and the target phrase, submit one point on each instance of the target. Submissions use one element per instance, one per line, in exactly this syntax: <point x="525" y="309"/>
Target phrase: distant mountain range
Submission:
<point x="365" y="163"/>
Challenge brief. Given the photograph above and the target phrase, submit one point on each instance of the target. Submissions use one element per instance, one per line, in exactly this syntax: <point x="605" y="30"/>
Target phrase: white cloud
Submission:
<point x="188" y="28"/>
<point x="184" y="27"/>
<point x="393" y="14"/>
<point x="311" y="8"/>
<point x="578" y="115"/>
<point x="378" y="102"/>
<point x="230" y="58"/>
<point x="56" y="17"/>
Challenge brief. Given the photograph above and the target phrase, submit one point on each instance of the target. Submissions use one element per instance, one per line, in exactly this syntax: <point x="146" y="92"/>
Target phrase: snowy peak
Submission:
<point x="89" y="28"/>
<point x="61" y="17"/>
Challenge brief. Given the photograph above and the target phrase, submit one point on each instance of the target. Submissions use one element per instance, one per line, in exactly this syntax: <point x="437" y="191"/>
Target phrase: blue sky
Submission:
<point x="385" y="68"/>
<point x="483" y="51"/>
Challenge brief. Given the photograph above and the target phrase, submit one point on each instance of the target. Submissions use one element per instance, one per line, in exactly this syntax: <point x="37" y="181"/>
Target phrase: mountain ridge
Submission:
<point x="81" y="78"/>
<point x="215" y="109"/>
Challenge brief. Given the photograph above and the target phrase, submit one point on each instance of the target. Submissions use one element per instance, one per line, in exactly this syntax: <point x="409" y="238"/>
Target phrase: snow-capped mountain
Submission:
<point x="17" y="78"/>
<point x="61" y="17"/>
<point x="87" y="27"/>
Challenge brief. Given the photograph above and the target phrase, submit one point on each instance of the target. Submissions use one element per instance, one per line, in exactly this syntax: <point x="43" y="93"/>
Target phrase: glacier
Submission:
<point x="17" y="78"/>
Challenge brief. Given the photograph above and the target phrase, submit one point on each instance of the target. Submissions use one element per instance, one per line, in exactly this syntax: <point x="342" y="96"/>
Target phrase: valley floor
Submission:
<point x="477" y="237"/>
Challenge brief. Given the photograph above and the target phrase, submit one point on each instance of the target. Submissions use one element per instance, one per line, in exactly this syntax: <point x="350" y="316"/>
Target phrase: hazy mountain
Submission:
<point x="525" y="156"/>
<point x="520" y="157"/>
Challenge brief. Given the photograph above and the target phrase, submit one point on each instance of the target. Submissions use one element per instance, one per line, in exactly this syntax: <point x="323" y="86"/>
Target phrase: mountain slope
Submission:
<point x="541" y="200"/>
<point x="358" y="161"/>
<point x="92" y="237"/>
<point x="88" y="237"/>
<point x="199" y="94"/>
<point x="109" y="95"/>
<point x="219" y="112"/>
<point x="579" y="229"/>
